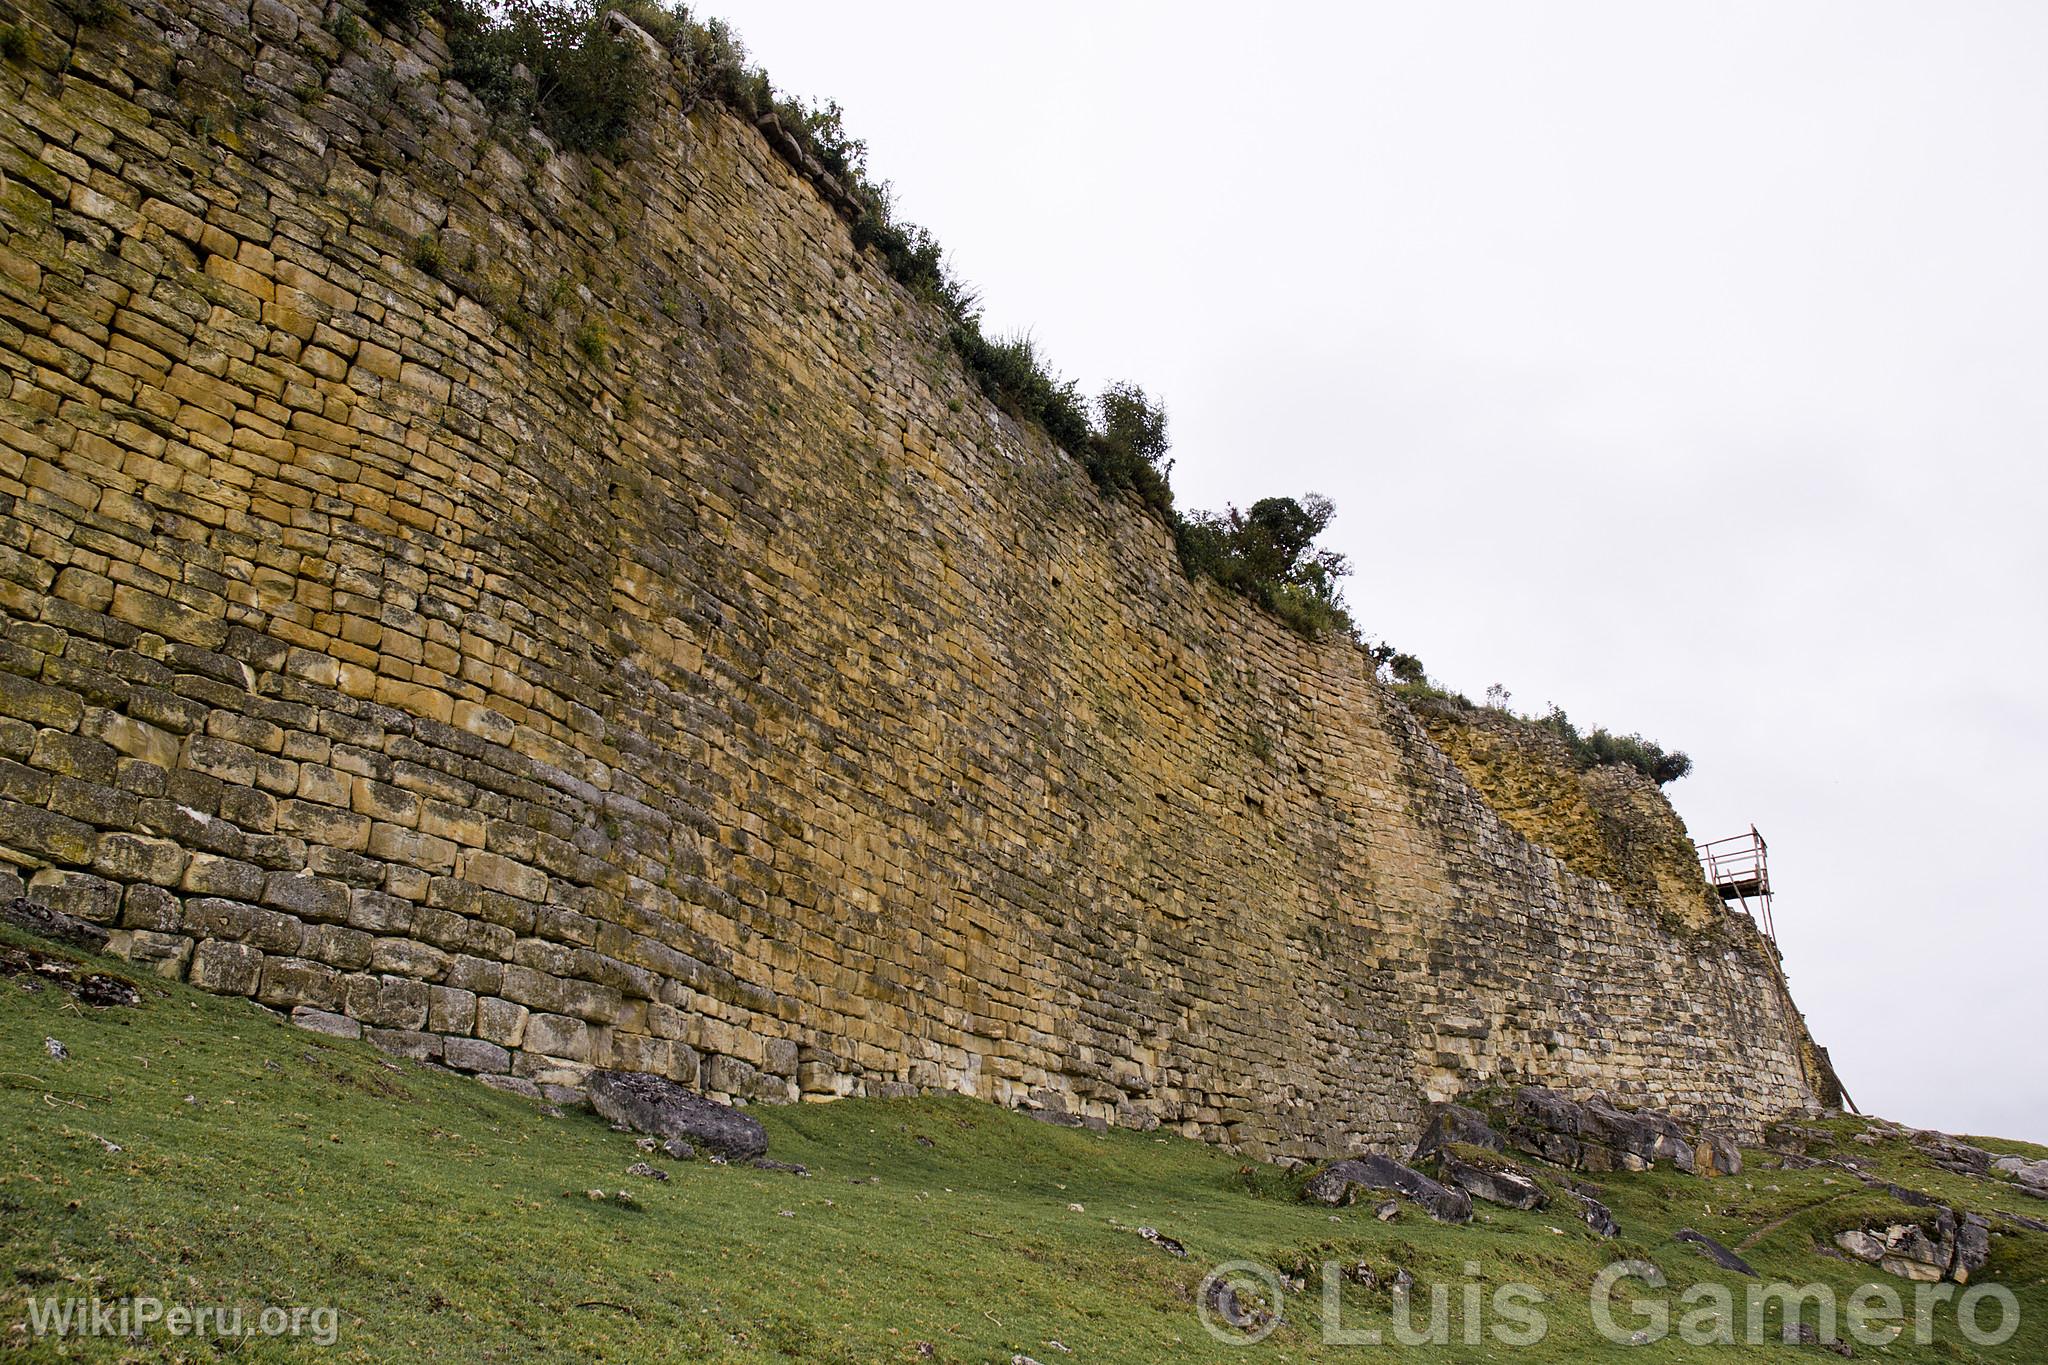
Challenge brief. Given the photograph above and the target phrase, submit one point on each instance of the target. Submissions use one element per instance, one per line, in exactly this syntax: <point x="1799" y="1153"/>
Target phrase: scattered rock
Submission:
<point x="656" y="1105"/>
<point x="1339" y="1183"/>
<point x="1952" y="1155"/>
<point x="1598" y="1216"/>
<point x="1503" y="1185"/>
<point x="646" y="1172"/>
<point x="1716" y="1154"/>
<point x="1904" y="1195"/>
<point x="675" y="1149"/>
<point x="1163" y="1242"/>
<point x="56" y="1049"/>
<point x="37" y="970"/>
<point x="54" y="925"/>
<point x="1801" y="1334"/>
<point x="1950" y="1246"/>
<point x="1223" y="1302"/>
<point x="1715" y="1252"/>
<point x="1387" y="1210"/>
<point x="2031" y="1176"/>
<point x="762" y="1163"/>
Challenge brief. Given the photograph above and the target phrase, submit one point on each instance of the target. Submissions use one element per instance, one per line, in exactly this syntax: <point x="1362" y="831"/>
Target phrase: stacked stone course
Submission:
<point x="621" y="636"/>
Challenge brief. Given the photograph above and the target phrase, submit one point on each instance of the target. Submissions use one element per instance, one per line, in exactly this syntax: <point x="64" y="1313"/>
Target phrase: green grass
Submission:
<point x="446" y="1221"/>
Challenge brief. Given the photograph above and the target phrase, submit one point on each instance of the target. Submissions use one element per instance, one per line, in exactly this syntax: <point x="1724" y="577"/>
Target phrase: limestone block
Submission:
<point x="226" y="968"/>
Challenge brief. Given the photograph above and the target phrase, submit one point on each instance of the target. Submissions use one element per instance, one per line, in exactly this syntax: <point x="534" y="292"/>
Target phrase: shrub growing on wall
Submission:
<point x="1269" y="553"/>
<point x="554" y="62"/>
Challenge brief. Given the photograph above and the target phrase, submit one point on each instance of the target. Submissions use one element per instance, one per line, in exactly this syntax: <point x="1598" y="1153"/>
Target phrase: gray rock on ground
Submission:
<point x="1950" y="1246"/>
<point x="658" y="1106"/>
<point x="55" y="925"/>
<point x="1504" y="1185"/>
<point x="1340" y="1182"/>
<point x="1598" y="1216"/>
<point x="1715" y="1252"/>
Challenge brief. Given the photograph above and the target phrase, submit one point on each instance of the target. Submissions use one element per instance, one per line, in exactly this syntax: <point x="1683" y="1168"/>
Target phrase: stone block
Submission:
<point x="139" y="858"/>
<point x="388" y="1001"/>
<point x="558" y="1035"/>
<point x="296" y="982"/>
<point x="226" y="968"/>
<point x="151" y="908"/>
<point x="310" y="898"/>
<point x="474" y="1054"/>
<point x="501" y="1021"/>
<point x="403" y="957"/>
<point x="450" y="1010"/>
<point x="45" y="834"/>
<point x="404" y="1042"/>
<point x="494" y="872"/>
<point x="38" y="705"/>
<point x="327" y="1022"/>
<point x="78" y="894"/>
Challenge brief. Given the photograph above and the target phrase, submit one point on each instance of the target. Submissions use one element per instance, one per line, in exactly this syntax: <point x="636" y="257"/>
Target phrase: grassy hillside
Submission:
<point x="445" y="1221"/>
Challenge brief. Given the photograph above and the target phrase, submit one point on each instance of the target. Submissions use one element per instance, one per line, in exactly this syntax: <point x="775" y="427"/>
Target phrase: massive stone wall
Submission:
<point x="550" y="612"/>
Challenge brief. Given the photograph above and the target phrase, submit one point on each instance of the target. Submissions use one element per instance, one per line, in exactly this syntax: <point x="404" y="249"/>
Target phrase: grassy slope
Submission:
<point x="447" y="1221"/>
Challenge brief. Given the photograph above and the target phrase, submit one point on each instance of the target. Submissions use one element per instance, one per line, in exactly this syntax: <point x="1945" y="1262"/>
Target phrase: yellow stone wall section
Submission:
<point x="543" y="612"/>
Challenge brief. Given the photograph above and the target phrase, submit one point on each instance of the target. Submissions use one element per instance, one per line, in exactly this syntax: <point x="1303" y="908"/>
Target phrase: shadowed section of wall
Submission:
<point x="546" y="613"/>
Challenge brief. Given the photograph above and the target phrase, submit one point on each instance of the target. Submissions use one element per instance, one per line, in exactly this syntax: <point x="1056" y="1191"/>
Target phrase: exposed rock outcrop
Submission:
<point x="663" y="1109"/>
<point x="1949" y="1246"/>
<point x="1598" y="1135"/>
<point x="1500" y="1183"/>
<point x="1341" y="1182"/>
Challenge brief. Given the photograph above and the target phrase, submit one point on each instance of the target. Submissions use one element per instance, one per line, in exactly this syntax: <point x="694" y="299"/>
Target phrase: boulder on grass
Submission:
<point x="1340" y="1183"/>
<point x="1503" y="1185"/>
<point x="1715" y="1252"/>
<point x="658" y="1106"/>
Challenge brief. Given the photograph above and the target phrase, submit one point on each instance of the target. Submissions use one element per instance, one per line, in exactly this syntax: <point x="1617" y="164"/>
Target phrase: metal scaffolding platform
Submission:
<point x="1739" y="870"/>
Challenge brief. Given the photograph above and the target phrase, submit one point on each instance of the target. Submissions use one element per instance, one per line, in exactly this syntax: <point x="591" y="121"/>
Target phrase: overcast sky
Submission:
<point x="1685" y="365"/>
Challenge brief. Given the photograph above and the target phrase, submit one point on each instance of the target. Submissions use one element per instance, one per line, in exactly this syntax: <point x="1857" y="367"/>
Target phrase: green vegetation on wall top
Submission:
<point x="561" y="65"/>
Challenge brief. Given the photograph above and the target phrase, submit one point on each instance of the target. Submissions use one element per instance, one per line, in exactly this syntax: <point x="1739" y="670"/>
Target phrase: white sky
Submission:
<point x="1684" y="364"/>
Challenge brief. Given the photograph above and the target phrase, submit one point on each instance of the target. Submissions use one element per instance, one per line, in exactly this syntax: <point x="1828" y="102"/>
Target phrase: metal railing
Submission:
<point x="1739" y="870"/>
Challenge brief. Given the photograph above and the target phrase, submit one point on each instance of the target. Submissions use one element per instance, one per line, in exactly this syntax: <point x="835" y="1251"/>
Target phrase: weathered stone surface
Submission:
<point x="1598" y="1216"/>
<point x="1340" y="1183"/>
<point x="1503" y="1184"/>
<point x="229" y="968"/>
<point x="326" y="1021"/>
<point x="474" y="1054"/>
<point x="654" y="1105"/>
<point x="1457" y="1124"/>
<point x="1596" y="1135"/>
<point x="55" y="925"/>
<point x="1948" y="1246"/>
<point x="1715" y="1154"/>
<point x="727" y="700"/>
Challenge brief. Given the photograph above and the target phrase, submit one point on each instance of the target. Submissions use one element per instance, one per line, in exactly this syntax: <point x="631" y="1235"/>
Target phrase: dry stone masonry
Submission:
<point x="544" y="613"/>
